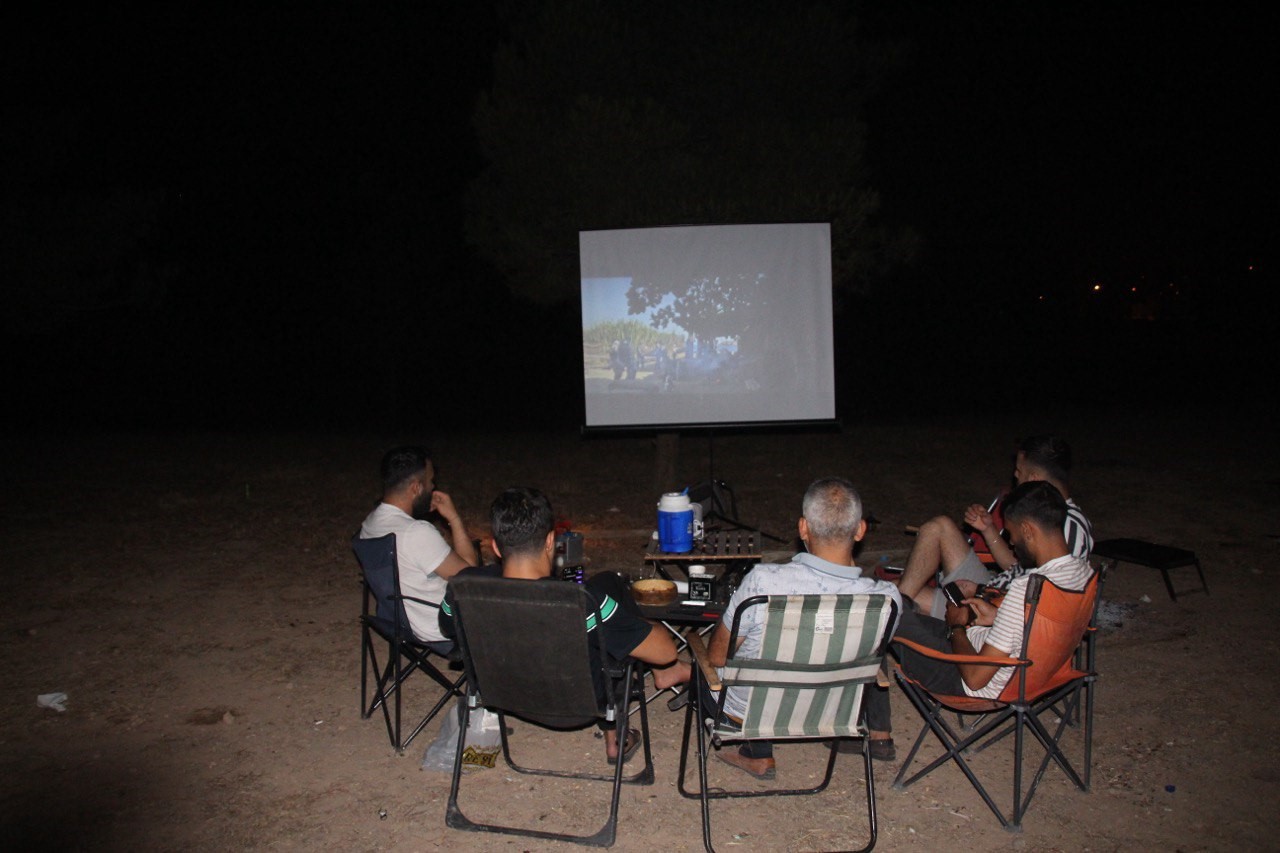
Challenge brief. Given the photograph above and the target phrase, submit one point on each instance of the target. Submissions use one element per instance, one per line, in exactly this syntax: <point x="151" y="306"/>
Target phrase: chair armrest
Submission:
<point x="411" y="598"/>
<point x="703" y="660"/>
<point x="954" y="658"/>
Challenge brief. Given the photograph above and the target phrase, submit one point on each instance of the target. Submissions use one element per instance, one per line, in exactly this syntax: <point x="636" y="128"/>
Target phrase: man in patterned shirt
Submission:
<point x="942" y="547"/>
<point x="830" y="525"/>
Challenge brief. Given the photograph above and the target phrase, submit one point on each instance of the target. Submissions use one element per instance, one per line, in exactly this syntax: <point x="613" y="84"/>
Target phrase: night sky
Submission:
<point x="254" y="219"/>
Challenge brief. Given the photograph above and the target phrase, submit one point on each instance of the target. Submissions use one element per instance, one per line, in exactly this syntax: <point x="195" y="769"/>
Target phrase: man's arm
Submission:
<point x="975" y="675"/>
<point x="657" y="648"/>
<point x="451" y="565"/>
<point x="464" y="550"/>
<point x="718" y="648"/>
<point x="979" y="518"/>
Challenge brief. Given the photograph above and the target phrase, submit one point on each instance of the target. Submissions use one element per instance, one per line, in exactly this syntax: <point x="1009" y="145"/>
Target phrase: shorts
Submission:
<point x="970" y="569"/>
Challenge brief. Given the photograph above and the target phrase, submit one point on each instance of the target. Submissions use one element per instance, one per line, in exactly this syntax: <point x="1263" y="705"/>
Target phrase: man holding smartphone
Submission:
<point x="943" y="548"/>
<point x="1035" y="513"/>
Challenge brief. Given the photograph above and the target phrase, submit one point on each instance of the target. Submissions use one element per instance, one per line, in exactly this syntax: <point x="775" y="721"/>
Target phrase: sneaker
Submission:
<point x="881" y="750"/>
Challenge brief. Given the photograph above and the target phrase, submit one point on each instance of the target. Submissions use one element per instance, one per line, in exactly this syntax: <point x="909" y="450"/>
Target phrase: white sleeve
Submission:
<point x="1006" y="632"/>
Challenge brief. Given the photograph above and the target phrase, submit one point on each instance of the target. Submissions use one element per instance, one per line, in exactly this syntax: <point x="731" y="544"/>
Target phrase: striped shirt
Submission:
<point x="1069" y="571"/>
<point x="1079" y="534"/>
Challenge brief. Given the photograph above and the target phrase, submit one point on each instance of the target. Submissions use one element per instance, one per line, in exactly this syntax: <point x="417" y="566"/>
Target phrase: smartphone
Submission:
<point x="953" y="593"/>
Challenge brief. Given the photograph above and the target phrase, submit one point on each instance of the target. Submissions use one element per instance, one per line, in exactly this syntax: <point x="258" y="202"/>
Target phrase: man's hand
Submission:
<point x="984" y="612"/>
<point x="957" y="614"/>
<point x="977" y="517"/>
<point x="443" y="504"/>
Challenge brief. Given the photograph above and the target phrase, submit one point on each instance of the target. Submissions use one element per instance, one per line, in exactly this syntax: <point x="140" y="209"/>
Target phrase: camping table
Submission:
<point x="729" y="554"/>
<point x="733" y="552"/>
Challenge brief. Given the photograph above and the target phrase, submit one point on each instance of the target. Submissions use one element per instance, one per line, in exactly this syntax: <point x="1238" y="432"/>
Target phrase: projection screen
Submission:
<point x="706" y="325"/>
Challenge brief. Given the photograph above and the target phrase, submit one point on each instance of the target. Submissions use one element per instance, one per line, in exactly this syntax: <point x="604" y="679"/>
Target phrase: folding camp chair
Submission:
<point x="817" y="654"/>
<point x="525" y="645"/>
<point x="1057" y="643"/>
<point x="406" y="654"/>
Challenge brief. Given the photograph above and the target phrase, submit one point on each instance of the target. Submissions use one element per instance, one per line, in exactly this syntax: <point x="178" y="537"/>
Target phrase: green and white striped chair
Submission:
<point x="818" y="653"/>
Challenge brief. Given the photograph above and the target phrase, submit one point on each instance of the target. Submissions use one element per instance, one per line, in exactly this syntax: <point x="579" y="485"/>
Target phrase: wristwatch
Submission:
<point x="951" y="630"/>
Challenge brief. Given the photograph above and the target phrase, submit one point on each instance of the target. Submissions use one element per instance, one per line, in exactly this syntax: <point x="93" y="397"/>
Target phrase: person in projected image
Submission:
<point x="524" y="541"/>
<point x="425" y="558"/>
<point x="615" y="360"/>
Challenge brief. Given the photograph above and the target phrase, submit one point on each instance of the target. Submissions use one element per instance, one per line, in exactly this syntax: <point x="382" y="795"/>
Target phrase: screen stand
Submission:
<point x="718" y="498"/>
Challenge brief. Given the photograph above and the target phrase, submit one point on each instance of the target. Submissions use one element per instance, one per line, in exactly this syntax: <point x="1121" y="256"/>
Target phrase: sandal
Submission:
<point x="633" y="743"/>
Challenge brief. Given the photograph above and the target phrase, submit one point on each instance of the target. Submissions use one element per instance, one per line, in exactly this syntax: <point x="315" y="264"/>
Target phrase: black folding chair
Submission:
<point x="406" y="654"/>
<point x="525" y="647"/>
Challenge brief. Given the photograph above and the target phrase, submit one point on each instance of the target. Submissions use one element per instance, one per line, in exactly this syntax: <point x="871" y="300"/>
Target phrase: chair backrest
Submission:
<point x="525" y="646"/>
<point x="1057" y="621"/>
<point x="377" y="558"/>
<point x="817" y="654"/>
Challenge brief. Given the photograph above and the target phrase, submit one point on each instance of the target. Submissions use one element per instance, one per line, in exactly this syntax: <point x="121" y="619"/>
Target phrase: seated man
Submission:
<point x="1034" y="514"/>
<point x="830" y="523"/>
<point x="426" y="560"/>
<point x="942" y="547"/>
<point x="524" y="539"/>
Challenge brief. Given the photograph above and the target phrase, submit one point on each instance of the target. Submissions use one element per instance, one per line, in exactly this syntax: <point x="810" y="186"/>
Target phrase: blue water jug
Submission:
<point x="675" y="523"/>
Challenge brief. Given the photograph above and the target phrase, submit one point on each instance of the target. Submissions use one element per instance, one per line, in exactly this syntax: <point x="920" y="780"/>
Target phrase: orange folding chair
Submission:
<point x="1055" y="674"/>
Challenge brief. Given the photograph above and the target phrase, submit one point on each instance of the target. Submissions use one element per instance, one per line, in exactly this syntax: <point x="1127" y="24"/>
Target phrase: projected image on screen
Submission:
<point x="707" y="325"/>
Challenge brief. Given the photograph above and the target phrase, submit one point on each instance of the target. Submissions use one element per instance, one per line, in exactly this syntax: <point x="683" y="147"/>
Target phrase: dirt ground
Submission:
<point x="196" y="599"/>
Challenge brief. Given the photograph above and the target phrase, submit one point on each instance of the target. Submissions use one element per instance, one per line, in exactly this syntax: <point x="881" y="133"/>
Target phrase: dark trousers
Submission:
<point x="937" y="676"/>
<point x="748" y="749"/>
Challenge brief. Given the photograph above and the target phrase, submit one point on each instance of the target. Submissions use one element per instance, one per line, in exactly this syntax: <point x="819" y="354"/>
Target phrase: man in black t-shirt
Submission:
<point x="524" y="540"/>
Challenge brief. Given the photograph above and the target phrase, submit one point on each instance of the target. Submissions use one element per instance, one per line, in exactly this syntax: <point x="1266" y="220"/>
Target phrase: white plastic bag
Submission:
<point x="484" y="741"/>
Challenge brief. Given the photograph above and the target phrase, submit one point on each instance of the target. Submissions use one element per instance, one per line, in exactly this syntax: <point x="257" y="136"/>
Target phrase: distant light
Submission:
<point x="1097" y="287"/>
<point x="1133" y="290"/>
<point x="1042" y="297"/>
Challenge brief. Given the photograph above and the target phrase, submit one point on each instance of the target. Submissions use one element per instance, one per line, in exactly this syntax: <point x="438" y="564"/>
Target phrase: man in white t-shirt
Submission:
<point x="1034" y="515"/>
<point x="426" y="560"/>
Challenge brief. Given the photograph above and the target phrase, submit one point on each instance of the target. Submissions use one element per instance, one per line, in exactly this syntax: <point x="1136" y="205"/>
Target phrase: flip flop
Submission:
<point x="633" y="743"/>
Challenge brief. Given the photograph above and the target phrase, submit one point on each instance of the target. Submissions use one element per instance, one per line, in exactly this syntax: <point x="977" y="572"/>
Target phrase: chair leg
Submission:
<point x="395" y="740"/>
<point x="702" y="772"/>
<point x="605" y="836"/>
<point x="1016" y="824"/>
<point x="365" y="650"/>
<point x="1088" y="731"/>
<point x="1168" y="584"/>
<point x="871" y="795"/>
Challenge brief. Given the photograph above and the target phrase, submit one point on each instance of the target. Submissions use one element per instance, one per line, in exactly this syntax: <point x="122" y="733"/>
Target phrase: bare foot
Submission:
<point x="611" y="742"/>
<point x="761" y="768"/>
<point x="678" y="673"/>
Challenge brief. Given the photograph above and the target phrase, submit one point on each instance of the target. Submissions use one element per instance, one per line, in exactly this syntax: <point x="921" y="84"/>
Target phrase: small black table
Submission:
<point x="679" y="617"/>
<point x="1161" y="557"/>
